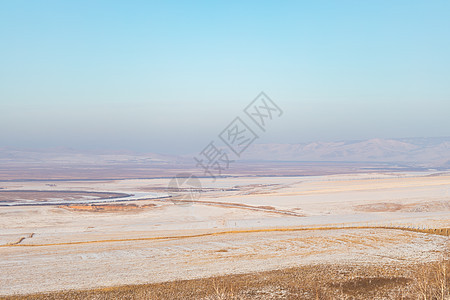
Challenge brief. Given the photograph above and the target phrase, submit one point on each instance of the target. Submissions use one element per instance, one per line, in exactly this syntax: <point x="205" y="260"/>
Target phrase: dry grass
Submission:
<point x="432" y="282"/>
<point x="438" y="231"/>
<point x="420" y="281"/>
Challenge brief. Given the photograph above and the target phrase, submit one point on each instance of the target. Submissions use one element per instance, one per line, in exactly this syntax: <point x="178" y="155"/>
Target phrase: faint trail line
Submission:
<point x="443" y="231"/>
<point x="239" y="205"/>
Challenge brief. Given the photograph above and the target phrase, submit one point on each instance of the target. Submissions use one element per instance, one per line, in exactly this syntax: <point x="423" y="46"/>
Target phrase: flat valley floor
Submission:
<point x="237" y="225"/>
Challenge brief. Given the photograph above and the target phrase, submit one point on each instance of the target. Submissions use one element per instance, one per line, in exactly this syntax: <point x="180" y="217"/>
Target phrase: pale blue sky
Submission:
<point x="156" y="76"/>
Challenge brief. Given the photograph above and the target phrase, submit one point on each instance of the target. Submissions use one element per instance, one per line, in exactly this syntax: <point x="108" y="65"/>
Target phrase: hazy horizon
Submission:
<point x="169" y="77"/>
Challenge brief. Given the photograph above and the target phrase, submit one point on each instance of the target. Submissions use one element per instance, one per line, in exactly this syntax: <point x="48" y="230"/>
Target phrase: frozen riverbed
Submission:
<point x="87" y="198"/>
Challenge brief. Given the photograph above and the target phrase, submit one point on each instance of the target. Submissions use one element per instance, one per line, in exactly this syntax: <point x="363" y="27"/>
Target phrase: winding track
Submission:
<point x="442" y="231"/>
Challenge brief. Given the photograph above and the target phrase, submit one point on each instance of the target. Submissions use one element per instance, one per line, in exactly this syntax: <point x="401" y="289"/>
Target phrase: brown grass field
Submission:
<point x="409" y="281"/>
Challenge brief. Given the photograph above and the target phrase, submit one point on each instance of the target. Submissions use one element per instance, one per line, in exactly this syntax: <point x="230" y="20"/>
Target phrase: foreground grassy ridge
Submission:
<point x="424" y="281"/>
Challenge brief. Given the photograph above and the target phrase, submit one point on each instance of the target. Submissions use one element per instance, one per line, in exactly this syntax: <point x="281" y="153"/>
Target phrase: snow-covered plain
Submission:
<point x="55" y="247"/>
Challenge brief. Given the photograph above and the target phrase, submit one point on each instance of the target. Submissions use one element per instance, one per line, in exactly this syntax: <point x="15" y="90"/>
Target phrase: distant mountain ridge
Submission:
<point x="434" y="151"/>
<point x="423" y="152"/>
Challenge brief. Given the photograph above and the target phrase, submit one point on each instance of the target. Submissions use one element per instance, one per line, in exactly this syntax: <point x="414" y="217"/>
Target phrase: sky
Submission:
<point x="169" y="76"/>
